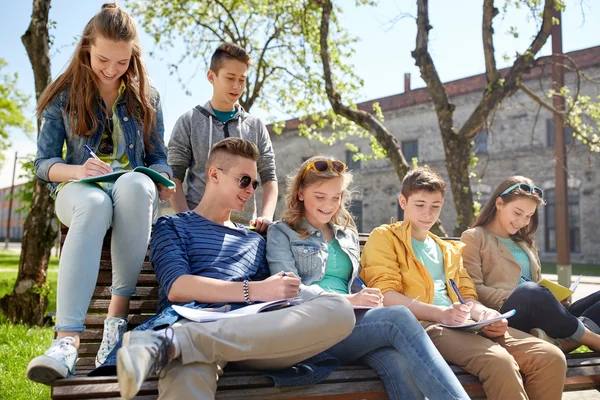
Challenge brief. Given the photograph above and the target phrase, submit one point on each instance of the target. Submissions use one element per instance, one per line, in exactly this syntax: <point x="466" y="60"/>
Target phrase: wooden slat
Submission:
<point x="147" y="292"/>
<point x="105" y="278"/>
<point x="135" y="306"/>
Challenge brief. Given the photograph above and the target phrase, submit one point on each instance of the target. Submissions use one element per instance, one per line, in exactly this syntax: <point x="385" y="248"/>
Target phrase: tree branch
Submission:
<point x="489" y="12"/>
<point x="439" y="96"/>
<point x="362" y="118"/>
<point x="511" y="82"/>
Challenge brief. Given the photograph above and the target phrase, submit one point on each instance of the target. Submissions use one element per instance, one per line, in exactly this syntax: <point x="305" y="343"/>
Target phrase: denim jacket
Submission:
<point x="56" y="129"/>
<point x="307" y="258"/>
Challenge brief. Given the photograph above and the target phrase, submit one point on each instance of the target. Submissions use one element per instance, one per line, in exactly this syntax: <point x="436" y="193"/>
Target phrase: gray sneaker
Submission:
<point x="591" y="325"/>
<point x="57" y="362"/>
<point x="114" y="329"/>
<point x="143" y="353"/>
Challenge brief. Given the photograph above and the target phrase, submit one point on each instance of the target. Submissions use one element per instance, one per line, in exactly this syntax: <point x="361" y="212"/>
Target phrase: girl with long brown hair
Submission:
<point x="101" y="115"/>
<point x="501" y="257"/>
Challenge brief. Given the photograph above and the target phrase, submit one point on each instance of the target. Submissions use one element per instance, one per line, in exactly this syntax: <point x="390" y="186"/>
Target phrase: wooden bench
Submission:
<point x="346" y="383"/>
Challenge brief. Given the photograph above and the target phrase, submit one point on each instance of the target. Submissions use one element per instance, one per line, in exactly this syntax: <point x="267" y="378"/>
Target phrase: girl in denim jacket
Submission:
<point x="317" y="241"/>
<point x="102" y="100"/>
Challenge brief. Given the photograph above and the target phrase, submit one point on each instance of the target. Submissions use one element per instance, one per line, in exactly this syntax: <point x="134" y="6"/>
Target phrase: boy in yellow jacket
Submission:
<point x="411" y="266"/>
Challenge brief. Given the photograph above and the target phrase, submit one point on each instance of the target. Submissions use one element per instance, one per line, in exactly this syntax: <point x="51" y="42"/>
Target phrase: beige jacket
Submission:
<point x="492" y="266"/>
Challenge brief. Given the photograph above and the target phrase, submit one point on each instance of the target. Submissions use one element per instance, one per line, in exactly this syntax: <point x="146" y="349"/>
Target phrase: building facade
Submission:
<point x="518" y="142"/>
<point x="17" y="218"/>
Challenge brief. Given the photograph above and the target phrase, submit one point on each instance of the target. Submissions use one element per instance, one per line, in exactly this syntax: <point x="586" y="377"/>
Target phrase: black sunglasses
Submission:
<point x="243" y="181"/>
<point x="106" y="145"/>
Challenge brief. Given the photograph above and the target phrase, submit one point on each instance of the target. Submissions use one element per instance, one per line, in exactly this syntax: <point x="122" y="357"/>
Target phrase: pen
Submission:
<point x="455" y="288"/>
<point x="525" y="279"/>
<point x="360" y="282"/>
<point x="85" y="146"/>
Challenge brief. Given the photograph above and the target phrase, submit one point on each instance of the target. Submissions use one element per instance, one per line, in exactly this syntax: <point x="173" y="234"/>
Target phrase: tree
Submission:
<point x="12" y="104"/>
<point x="27" y="302"/>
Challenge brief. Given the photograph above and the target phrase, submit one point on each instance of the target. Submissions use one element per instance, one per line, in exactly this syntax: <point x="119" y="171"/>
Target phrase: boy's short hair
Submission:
<point x="422" y="178"/>
<point x="228" y="51"/>
<point x="223" y="152"/>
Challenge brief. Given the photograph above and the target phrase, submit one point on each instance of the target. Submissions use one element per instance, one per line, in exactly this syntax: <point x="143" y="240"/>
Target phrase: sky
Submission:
<point x="382" y="56"/>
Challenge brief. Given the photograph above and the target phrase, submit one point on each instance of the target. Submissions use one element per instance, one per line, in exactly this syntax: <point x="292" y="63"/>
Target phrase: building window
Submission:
<point x="350" y="163"/>
<point x="410" y="149"/>
<point x="356" y="209"/>
<point x="574" y="224"/>
<point x="550" y="133"/>
<point x="480" y="142"/>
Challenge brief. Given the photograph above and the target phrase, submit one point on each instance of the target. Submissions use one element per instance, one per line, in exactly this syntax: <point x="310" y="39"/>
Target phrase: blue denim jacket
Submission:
<point x="56" y="129"/>
<point x="307" y="257"/>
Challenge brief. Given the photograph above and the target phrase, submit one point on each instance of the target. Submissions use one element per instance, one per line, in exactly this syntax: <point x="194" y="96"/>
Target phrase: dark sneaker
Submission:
<point x="143" y="353"/>
<point x="114" y="329"/>
<point x="57" y="362"/>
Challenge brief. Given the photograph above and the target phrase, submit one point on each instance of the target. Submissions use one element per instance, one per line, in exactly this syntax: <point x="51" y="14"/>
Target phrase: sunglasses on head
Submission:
<point x="243" y="181"/>
<point x="324" y="165"/>
<point x="106" y="145"/>
<point x="525" y="187"/>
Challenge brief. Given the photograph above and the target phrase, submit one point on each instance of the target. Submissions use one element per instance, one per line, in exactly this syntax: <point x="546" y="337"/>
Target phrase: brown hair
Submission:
<point x="293" y="214"/>
<point x="228" y="51"/>
<point x="111" y="23"/>
<point x="422" y="178"/>
<point x="232" y="146"/>
<point x="488" y="213"/>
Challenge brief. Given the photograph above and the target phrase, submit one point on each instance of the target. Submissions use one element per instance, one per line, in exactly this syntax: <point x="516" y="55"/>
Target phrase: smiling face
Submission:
<point x="422" y="209"/>
<point x="233" y="197"/>
<point x="322" y="200"/>
<point x="514" y="215"/>
<point x="228" y="84"/>
<point x="109" y="61"/>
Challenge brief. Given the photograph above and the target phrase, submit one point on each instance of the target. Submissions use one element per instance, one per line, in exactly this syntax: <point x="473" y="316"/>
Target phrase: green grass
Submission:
<point x="7" y="282"/>
<point x="10" y="259"/>
<point x="577" y="269"/>
<point x="18" y="345"/>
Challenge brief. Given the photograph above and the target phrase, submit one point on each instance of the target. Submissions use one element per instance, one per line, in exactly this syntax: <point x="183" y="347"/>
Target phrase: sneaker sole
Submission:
<point x="127" y="384"/>
<point x="46" y="370"/>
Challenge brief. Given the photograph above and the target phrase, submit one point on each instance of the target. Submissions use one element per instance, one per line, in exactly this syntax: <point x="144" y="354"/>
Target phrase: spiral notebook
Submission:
<point x="113" y="176"/>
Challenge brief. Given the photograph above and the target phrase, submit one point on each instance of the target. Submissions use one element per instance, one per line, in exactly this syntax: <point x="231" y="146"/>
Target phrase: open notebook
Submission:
<point x="209" y="315"/>
<point x="559" y="291"/>
<point x="475" y="326"/>
<point x="113" y="176"/>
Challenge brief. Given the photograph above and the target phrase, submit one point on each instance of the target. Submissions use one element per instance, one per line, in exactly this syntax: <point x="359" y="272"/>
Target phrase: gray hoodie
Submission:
<point x="196" y="131"/>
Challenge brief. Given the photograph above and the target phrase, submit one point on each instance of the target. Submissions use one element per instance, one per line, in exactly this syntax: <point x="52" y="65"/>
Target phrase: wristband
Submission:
<point x="246" y="292"/>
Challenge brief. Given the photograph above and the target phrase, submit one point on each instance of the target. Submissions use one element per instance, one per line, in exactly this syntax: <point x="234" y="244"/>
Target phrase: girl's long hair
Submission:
<point x="488" y="213"/>
<point x="115" y="25"/>
<point x="293" y="214"/>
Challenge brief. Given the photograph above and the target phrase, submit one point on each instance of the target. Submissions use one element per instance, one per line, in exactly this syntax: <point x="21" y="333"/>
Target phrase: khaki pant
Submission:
<point x="502" y="363"/>
<point x="272" y="340"/>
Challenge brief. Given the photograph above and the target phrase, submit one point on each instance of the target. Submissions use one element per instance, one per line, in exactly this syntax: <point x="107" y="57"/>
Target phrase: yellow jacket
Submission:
<point x="389" y="263"/>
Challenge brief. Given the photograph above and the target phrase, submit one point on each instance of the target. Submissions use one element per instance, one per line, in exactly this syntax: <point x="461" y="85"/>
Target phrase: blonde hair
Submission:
<point x="293" y="213"/>
<point x="114" y="24"/>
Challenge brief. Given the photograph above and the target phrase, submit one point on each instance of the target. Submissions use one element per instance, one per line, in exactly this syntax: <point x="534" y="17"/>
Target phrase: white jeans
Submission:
<point x="130" y="207"/>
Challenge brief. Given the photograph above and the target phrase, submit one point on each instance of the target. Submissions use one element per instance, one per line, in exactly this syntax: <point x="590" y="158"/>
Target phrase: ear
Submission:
<point x="500" y="203"/>
<point x="301" y="194"/>
<point x="402" y="201"/>
<point x="211" y="76"/>
<point x="212" y="174"/>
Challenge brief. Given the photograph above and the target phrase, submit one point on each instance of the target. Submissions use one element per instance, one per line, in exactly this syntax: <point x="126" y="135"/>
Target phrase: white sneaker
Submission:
<point x="143" y="353"/>
<point x="114" y="329"/>
<point x="57" y="362"/>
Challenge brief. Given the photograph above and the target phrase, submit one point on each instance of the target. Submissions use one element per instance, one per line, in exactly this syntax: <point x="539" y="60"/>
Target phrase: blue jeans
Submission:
<point x="88" y="211"/>
<point x="538" y="308"/>
<point x="392" y="342"/>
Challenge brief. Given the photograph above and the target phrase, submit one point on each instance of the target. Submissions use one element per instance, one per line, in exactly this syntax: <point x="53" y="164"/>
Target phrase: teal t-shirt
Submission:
<point x="520" y="256"/>
<point x="430" y="254"/>
<point x="338" y="270"/>
<point x="225" y="116"/>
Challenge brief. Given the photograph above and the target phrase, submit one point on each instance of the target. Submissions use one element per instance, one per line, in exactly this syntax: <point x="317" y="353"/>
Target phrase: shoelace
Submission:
<point x="161" y="352"/>
<point x="62" y="350"/>
<point x="113" y="337"/>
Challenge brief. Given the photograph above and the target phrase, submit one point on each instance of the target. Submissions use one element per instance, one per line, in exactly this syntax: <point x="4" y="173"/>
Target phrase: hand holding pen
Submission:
<point x="368" y="297"/>
<point x="93" y="166"/>
<point x="457" y="313"/>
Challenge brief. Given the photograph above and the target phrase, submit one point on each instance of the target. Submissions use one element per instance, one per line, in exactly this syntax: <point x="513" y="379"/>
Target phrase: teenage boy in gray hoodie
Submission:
<point x="198" y="129"/>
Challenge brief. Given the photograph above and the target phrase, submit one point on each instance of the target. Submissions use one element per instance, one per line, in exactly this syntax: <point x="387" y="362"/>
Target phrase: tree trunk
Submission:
<point x="457" y="149"/>
<point x="27" y="303"/>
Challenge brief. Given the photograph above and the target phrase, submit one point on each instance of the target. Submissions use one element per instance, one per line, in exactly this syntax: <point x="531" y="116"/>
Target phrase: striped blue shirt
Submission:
<point x="189" y="244"/>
